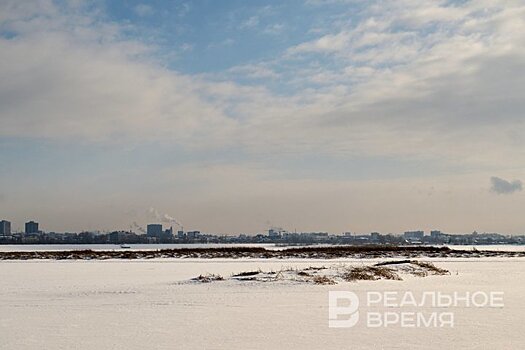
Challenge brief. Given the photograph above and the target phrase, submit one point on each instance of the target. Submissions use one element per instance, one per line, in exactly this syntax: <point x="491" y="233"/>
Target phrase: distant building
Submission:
<point x="274" y="233"/>
<point x="414" y="235"/>
<point x="436" y="234"/>
<point x="32" y="227"/>
<point x="375" y="236"/>
<point x="169" y="232"/>
<point x="117" y="237"/>
<point x="154" y="230"/>
<point x="5" y="228"/>
<point x="438" y="237"/>
<point x="193" y="234"/>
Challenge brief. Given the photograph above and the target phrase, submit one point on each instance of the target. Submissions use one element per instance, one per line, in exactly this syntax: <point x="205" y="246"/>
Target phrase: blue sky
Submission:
<point x="213" y="36"/>
<point x="337" y="115"/>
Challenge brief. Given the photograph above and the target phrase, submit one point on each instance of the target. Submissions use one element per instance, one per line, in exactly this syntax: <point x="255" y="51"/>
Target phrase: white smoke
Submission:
<point x="138" y="227"/>
<point x="163" y="217"/>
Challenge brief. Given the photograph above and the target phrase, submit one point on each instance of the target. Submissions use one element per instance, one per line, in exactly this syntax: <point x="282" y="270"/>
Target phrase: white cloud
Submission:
<point x="440" y="82"/>
<point x="92" y="84"/>
<point x="439" y="85"/>
<point x="274" y="29"/>
<point x="454" y="95"/>
<point x="254" y="71"/>
<point x="251" y="22"/>
<point x="327" y="43"/>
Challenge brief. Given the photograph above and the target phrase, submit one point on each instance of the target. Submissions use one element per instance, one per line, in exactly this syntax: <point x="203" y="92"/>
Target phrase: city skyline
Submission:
<point x="157" y="233"/>
<point x="235" y="116"/>
<point x="168" y="225"/>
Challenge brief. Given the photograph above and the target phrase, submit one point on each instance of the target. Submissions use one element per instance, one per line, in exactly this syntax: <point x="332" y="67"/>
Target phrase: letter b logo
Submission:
<point x="342" y="309"/>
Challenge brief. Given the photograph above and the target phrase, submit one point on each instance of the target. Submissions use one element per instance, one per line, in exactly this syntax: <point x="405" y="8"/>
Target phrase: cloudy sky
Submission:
<point x="233" y="116"/>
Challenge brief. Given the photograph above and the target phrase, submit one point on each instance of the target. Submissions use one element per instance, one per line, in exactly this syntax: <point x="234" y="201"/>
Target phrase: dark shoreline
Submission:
<point x="356" y="252"/>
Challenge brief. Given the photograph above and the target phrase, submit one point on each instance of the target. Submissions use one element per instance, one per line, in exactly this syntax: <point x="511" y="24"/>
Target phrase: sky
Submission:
<point x="236" y="116"/>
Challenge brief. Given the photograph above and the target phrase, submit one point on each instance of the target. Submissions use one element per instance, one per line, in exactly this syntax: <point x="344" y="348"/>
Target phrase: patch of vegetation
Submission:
<point x="349" y="251"/>
<point x="247" y="273"/>
<point x="323" y="280"/>
<point x="315" y="268"/>
<point x="369" y="273"/>
<point x="431" y="268"/>
<point x="210" y="277"/>
<point x="395" y="262"/>
<point x="389" y="270"/>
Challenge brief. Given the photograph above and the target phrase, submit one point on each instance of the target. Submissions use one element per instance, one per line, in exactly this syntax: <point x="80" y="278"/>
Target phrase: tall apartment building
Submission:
<point x="5" y="228"/>
<point x="32" y="227"/>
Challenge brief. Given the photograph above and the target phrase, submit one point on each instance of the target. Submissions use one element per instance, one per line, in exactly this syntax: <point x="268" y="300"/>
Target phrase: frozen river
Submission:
<point x="150" y="304"/>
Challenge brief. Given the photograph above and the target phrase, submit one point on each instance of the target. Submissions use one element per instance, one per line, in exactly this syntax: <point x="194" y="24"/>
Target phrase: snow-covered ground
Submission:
<point x="149" y="304"/>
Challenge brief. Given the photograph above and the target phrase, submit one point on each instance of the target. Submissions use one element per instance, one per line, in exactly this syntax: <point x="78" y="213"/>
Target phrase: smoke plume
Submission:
<point x="163" y="217"/>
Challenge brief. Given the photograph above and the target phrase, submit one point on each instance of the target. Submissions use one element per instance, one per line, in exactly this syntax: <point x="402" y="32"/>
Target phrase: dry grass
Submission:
<point x="323" y="280"/>
<point x="247" y="273"/>
<point x="431" y="268"/>
<point x="395" y="262"/>
<point x="389" y="270"/>
<point x="371" y="251"/>
<point x="315" y="268"/>
<point x="208" y="278"/>
<point x="369" y="273"/>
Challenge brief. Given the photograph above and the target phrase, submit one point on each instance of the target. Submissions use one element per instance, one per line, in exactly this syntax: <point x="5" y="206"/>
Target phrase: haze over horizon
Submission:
<point x="233" y="116"/>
